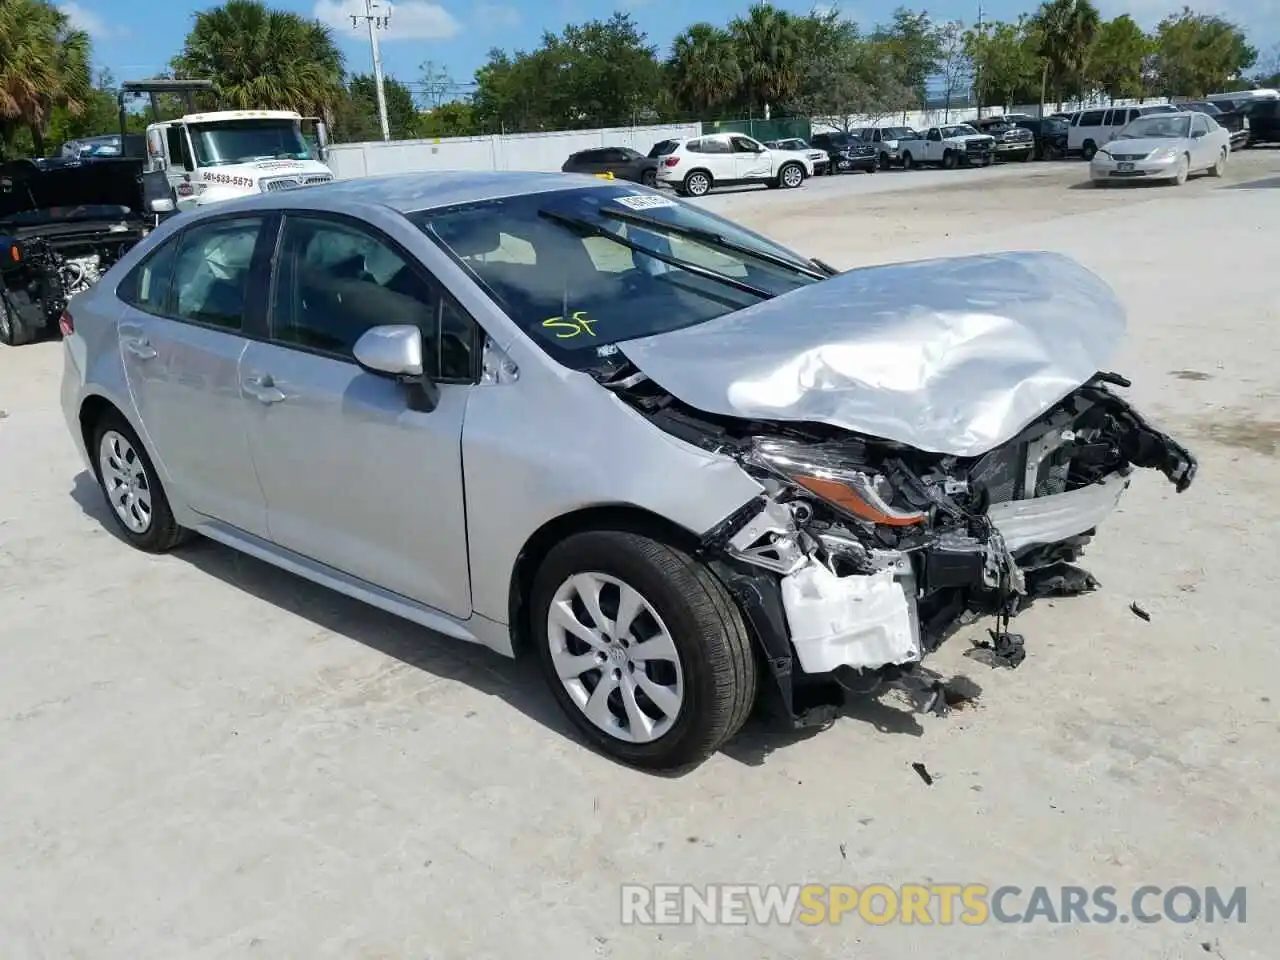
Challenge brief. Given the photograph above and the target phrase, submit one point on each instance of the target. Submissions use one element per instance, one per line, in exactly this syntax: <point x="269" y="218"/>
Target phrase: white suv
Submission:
<point x="1090" y="129"/>
<point x="722" y="159"/>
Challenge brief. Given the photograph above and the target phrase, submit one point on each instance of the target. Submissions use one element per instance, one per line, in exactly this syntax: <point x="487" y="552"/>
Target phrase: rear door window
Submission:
<point x="211" y="274"/>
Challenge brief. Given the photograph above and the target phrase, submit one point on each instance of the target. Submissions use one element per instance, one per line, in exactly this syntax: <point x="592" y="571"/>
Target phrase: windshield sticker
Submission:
<point x="573" y="326"/>
<point x="643" y="201"/>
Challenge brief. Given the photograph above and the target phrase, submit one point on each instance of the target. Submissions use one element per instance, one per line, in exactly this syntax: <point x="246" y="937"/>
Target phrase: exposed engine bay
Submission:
<point x="62" y="226"/>
<point x="863" y="555"/>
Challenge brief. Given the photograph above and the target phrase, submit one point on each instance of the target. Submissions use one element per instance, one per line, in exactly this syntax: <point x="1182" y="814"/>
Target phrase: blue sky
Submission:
<point x="135" y="39"/>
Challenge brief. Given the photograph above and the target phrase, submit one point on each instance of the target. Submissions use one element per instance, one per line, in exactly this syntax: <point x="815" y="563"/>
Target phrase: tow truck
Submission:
<point x="215" y="155"/>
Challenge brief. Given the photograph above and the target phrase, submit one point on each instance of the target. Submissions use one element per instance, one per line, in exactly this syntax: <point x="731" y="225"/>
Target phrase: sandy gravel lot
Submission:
<point x="202" y="757"/>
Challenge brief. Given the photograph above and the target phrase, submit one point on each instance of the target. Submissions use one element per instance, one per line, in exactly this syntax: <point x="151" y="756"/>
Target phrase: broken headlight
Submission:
<point x="857" y="492"/>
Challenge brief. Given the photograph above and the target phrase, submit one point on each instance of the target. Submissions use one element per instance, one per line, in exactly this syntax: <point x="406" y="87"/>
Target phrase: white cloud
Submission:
<point x="411" y="20"/>
<point x="82" y="18"/>
<point x="497" y="16"/>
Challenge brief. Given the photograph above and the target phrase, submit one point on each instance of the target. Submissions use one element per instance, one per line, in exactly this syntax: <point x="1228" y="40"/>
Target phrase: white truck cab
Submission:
<point x="208" y="157"/>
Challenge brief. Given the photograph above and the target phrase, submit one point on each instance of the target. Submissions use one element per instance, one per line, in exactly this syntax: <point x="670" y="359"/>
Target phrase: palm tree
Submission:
<point x="43" y="63"/>
<point x="258" y="58"/>
<point x="769" y="51"/>
<point x="704" y="67"/>
<point x="1066" y="30"/>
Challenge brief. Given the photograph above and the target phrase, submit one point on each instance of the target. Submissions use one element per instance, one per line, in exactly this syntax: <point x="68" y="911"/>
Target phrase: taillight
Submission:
<point x="671" y="161"/>
<point x="66" y="325"/>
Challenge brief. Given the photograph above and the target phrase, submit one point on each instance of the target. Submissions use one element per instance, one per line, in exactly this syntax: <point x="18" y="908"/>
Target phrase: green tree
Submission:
<point x="402" y="112"/>
<point x="954" y="65"/>
<point x="455" y="118"/>
<point x="844" y="77"/>
<point x="911" y="39"/>
<point x="1197" y="54"/>
<point x="768" y="45"/>
<point x="1066" y="30"/>
<point x="1006" y="69"/>
<point x="600" y="73"/>
<point x="1119" y="52"/>
<point x="261" y="58"/>
<point x="703" y="69"/>
<point x="435" y="84"/>
<point x="44" y="66"/>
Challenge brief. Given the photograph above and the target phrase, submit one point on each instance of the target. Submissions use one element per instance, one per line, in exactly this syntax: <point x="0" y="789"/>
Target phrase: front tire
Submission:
<point x="1184" y="170"/>
<point x="791" y="175"/>
<point x="132" y="489"/>
<point x="1088" y="150"/>
<point x="643" y="648"/>
<point x="949" y="160"/>
<point x="908" y="161"/>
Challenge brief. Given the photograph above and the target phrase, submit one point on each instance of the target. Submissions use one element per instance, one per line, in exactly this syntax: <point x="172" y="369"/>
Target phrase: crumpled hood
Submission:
<point x="951" y="356"/>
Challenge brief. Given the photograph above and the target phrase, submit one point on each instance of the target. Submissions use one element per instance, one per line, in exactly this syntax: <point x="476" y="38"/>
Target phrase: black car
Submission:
<point x="1229" y="115"/>
<point x="1049" y="134"/>
<point x="1264" y="121"/>
<point x="62" y="224"/>
<point x="1013" y="140"/>
<point x="623" y="162"/>
<point x="846" y="152"/>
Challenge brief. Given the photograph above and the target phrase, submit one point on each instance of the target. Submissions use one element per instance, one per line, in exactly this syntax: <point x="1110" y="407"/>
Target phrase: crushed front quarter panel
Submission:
<point x="951" y="356"/>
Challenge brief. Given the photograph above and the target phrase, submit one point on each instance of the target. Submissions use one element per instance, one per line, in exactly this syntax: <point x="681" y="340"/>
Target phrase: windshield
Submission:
<point x="959" y="130"/>
<point x="241" y="141"/>
<point x="572" y="267"/>
<point x="1157" y="126"/>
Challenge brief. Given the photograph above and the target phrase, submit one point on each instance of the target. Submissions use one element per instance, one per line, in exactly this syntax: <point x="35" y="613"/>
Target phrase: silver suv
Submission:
<point x="683" y="463"/>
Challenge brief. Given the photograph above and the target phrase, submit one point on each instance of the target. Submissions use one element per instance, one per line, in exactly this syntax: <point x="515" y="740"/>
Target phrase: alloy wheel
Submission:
<point x="698" y="184"/>
<point x="124" y="478"/>
<point x="792" y="176"/>
<point x="615" y="657"/>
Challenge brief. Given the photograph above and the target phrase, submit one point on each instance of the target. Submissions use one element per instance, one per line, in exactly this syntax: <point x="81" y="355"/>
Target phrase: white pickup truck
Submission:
<point x="954" y="145"/>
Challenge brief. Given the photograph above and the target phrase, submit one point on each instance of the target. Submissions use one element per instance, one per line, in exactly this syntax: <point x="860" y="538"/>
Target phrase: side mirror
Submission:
<point x="395" y="351"/>
<point x="160" y="205"/>
<point x="322" y="140"/>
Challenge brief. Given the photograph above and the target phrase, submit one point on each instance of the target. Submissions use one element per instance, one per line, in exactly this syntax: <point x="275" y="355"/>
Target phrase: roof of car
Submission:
<point x="411" y="192"/>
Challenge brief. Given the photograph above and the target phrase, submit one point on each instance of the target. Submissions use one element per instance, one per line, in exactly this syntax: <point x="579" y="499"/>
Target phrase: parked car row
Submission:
<point x="696" y="165"/>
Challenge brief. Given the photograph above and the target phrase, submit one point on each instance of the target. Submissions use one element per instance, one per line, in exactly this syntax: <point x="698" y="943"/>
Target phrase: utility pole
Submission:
<point x="977" y="72"/>
<point x="376" y="23"/>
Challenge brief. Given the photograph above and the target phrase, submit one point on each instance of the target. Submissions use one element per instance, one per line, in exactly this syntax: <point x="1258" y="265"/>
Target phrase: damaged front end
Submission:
<point x="862" y="555"/>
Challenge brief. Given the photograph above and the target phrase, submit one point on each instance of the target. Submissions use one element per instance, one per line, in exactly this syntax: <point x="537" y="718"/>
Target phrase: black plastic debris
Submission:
<point x="924" y="773"/>
<point x="1138" y="612"/>
<point x="1061" y="580"/>
<point x="1004" y="649"/>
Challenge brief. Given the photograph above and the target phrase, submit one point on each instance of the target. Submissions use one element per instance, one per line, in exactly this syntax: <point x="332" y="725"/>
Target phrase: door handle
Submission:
<point x="263" y="389"/>
<point x="140" y="348"/>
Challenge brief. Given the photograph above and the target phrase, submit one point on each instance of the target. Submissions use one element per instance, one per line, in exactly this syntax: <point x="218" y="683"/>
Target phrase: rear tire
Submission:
<point x="649" y="178"/>
<point x="697" y="183"/>
<point x="704" y="687"/>
<point x="128" y="480"/>
<point x="1220" y="167"/>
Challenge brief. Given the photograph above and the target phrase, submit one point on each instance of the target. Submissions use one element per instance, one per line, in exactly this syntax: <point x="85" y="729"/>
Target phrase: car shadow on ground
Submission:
<point x="517" y="682"/>
<point x="1266" y="183"/>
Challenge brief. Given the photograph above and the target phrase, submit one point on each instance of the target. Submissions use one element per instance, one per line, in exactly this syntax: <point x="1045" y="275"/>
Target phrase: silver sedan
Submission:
<point x="690" y="468"/>
<point x="1163" y="146"/>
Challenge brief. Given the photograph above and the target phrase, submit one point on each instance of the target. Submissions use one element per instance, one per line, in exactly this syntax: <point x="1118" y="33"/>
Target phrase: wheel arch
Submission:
<point x="705" y="171"/>
<point x="93" y="406"/>
<point x="616" y="517"/>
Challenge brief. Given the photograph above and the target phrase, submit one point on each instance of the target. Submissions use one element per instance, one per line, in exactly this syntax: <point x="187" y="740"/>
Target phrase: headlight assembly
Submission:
<point x="859" y="493"/>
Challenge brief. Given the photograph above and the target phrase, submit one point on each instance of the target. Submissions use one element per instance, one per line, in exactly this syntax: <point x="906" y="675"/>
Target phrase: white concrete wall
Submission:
<point x="920" y="119"/>
<point x="517" y="151"/>
<point x="548" y="151"/>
